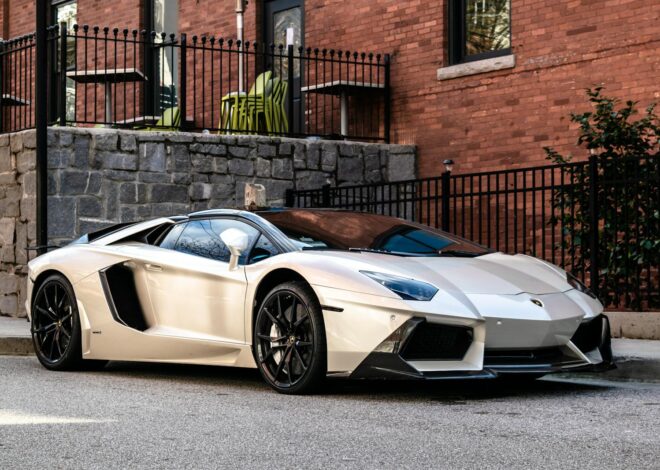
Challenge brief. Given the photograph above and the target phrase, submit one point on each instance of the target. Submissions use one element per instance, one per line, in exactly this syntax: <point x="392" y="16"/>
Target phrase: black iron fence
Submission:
<point x="139" y="79"/>
<point x="17" y="74"/>
<point x="546" y="211"/>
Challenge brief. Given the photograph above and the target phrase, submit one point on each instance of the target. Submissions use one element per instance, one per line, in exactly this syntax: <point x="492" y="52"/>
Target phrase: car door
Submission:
<point x="192" y="291"/>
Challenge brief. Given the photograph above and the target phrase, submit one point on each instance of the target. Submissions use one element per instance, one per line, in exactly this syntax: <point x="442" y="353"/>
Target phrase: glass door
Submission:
<point x="67" y="12"/>
<point x="284" y="24"/>
<point x="165" y="19"/>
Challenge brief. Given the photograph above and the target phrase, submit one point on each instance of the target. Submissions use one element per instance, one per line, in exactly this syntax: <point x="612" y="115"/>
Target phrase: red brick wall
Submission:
<point x="486" y="121"/>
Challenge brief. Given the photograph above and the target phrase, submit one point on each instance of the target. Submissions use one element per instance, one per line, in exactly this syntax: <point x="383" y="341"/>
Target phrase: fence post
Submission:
<point x="62" y="72"/>
<point x="289" y="198"/>
<point x="387" y="97"/>
<point x="593" y="223"/>
<point x="293" y="124"/>
<point x="2" y="80"/>
<point x="41" y="122"/>
<point x="183" y="69"/>
<point x="325" y="195"/>
<point x="445" y="188"/>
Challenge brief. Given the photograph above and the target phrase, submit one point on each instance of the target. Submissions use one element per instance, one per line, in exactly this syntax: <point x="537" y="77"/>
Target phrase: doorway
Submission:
<point x="284" y="24"/>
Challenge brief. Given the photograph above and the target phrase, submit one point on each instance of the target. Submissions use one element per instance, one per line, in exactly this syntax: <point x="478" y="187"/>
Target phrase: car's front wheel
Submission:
<point x="289" y="339"/>
<point x="56" y="326"/>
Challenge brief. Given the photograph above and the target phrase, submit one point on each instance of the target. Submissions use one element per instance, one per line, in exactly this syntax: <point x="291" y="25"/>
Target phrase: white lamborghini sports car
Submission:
<point x="307" y="294"/>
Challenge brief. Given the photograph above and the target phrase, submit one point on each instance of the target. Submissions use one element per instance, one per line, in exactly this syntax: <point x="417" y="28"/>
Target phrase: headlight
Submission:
<point x="407" y="289"/>
<point x="577" y="285"/>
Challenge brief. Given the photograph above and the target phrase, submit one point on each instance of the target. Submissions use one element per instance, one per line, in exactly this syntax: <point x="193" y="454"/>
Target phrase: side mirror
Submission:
<point x="237" y="242"/>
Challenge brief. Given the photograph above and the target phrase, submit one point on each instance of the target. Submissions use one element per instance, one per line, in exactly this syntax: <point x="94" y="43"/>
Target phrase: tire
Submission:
<point x="55" y="327"/>
<point x="288" y="339"/>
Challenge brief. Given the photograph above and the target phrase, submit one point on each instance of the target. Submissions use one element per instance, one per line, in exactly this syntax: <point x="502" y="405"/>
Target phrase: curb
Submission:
<point x="16" y="346"/>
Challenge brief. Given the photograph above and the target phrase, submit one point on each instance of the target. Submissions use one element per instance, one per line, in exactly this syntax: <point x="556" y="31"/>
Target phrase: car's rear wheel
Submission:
<point x="289" y="339"/>
<point x="56" y="326"/>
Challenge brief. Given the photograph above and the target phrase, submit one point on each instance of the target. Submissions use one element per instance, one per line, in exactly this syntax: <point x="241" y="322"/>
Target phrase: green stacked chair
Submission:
<point x="233" y="108"/>
<point x="169" y="121"/>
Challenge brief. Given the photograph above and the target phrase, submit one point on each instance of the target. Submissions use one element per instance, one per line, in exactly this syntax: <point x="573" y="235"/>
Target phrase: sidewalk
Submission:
<point x="636" y="359"/>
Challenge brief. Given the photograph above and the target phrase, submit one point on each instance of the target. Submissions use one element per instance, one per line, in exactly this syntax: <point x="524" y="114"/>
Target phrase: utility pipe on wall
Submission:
<point x="241" y="5"/>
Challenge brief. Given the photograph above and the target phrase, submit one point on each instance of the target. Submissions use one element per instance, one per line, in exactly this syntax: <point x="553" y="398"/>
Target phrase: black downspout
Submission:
<point x="41" y="123"/>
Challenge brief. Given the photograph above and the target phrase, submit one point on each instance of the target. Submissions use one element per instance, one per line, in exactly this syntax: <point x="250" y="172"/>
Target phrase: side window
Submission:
<point x="262" y="249"/>
<point x="202" y="238"/>
<point x="171" y="237"/>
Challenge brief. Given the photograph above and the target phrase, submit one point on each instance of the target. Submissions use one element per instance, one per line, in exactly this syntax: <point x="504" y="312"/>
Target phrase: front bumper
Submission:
<point x="419" y="342"/>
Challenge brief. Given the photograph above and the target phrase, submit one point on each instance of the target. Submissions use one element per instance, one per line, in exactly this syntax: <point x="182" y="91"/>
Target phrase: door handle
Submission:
<point x="153" y="267"/>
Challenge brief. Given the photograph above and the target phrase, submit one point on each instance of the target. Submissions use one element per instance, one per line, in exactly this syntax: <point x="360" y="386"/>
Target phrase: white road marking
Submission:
<point x="14" y="418"/>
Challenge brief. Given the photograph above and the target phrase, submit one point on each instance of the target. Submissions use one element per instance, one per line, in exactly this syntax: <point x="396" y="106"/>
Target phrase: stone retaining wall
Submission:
<point x="98" y="177"/>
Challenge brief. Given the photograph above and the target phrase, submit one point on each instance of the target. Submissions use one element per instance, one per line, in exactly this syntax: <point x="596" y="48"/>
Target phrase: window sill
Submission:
<point x="476" y="67"/>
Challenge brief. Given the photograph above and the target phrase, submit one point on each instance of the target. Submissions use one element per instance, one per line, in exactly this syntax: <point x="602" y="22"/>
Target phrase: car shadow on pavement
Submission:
<point x="449" y="392"/>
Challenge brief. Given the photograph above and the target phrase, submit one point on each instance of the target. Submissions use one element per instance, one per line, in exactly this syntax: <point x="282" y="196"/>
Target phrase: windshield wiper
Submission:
<point x="459" y="253"/>
<point x="393" y="253"/>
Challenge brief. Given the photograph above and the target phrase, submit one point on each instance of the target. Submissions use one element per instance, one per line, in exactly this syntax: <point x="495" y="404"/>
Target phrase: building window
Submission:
<point x="479" y="29"/>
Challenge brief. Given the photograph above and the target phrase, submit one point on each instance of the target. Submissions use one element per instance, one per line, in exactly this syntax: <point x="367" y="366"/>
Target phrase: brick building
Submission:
<point x="487" y="83"/>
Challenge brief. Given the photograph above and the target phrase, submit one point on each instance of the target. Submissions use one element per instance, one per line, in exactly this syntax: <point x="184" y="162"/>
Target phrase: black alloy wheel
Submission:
<point x="55" y="325"/>
<point x="289" y="339"/>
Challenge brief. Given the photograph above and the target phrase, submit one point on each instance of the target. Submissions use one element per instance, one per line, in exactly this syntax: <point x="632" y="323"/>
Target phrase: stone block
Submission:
<point x="128" y="214"/>
<point x="311" y="179"/>
<point x="7" y="231"/>
<point x="179" y="158"/>
<point x="282" y="168"/>
<point x="118" y="161"/>
<point x="350" y="169"/>
<point x="26" y="161"/>
<point x="152" y="156"/>
<point x="6" y="160"/>
<point x="9" y="305"/>
<point x="61" y="216"/>
<point x="202" y="163"/>
<point x="149" y="177"/>
<point x="58" y="158"/>
<point x="160" y="193"/>
<point x="183" y="178"/>
<point x="200" y="191"/>
<point x="28" y="207"/>
<point x="73" y="182"/>
<point x="262" y="167"/>
<point x="66" y="138"/>
<point x="401" y="167"/>
<point x="119" y="175"/>
<point x="28" y="183"/>
<point x="349" y="150"/>
<point x="265" y="150"/>
<point x="105" y="140"/>
<point x="132" y="193"/>
<point x="285" y="148"/>
<point x="81" y="151"/>
<point x="29" y="139"/>
<point x="241" y="167"/>
<point x="220" y="165"/>
<point x="89" y="206"/>
<point x="53" y="182"/>
<point x="162" y="209"/>
<point x="127" y="142"/>
<point x="21" y="242"/>
<point x="329" y="157"/>
<point x="9" y="283"/>
<point x="239" y="152"/>
<point x="16" y="142"/>
<point x="313" y="156"/>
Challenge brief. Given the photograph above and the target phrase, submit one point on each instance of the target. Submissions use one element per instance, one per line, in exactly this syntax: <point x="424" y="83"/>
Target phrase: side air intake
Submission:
<point x="121" y="294"/>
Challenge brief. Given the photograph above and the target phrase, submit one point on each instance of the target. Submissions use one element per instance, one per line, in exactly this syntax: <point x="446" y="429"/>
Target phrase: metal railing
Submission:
<point x="546" y="211"/>
<point x="128" y="79"/>
<point x="17" y="75"/>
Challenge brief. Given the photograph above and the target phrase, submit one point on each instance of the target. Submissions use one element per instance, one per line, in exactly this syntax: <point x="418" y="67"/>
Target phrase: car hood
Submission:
<point x="494" y="273"/>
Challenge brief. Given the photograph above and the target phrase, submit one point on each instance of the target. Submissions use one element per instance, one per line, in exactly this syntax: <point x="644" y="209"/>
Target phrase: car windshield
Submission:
<point x="339" y="230"/>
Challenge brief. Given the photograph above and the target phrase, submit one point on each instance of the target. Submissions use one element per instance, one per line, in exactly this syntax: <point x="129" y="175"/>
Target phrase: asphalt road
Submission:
<point x="155" y="416"/>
